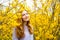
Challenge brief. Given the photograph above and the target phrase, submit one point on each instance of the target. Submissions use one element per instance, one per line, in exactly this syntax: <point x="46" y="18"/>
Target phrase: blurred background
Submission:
<point x="44" y="16"/>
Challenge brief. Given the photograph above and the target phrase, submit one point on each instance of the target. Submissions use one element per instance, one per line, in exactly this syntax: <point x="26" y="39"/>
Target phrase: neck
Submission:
<point x="25" y="23"/>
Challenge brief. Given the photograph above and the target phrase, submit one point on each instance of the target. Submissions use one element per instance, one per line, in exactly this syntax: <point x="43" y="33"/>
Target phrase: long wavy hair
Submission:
<point x="20" y="28"/>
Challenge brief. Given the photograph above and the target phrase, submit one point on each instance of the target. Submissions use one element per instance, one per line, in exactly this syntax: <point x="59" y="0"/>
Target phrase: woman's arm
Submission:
<point x="32" y="37"/>
<point x="14" y="35"/>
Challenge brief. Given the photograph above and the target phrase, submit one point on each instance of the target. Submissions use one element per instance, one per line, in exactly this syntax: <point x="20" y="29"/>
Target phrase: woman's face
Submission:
<point x="25" y="16"/>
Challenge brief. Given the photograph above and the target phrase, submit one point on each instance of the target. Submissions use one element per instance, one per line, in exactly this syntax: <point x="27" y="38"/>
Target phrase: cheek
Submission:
<point x="29" y="16"/>
<point x="23" y="17"/>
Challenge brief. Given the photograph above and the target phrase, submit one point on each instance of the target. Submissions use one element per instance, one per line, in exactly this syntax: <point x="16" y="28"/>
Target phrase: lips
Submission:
<point x="26" y="17"/>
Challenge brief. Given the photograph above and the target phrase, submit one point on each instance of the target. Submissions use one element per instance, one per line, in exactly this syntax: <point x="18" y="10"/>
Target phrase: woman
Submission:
<point x="24" y="31"/>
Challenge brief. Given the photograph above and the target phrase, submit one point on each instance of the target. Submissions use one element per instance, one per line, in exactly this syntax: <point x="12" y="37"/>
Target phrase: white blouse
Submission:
<point x="28" y="36"/>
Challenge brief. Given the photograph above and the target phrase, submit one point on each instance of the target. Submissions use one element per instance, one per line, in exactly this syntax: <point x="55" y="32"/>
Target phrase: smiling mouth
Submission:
<point x="26" y="17"/>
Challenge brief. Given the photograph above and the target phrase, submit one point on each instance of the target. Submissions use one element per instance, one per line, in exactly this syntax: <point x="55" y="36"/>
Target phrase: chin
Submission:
<point x="26" y="20"/>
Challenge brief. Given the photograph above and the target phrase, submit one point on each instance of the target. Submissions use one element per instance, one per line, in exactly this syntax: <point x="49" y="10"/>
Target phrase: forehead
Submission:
<point x="24" y="12"/>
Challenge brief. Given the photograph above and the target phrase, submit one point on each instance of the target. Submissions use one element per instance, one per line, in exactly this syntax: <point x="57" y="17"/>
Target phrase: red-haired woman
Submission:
<point x="24" y="31"/>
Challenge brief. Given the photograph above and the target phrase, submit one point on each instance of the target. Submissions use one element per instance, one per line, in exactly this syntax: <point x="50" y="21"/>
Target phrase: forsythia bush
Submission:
<point x="46" y="24"/>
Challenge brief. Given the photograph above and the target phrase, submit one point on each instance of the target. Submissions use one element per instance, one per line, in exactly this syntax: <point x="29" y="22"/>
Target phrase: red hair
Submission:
<point x="20" y="28"/>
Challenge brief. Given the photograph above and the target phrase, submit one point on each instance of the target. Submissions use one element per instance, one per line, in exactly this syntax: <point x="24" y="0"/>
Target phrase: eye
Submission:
<point x="26" y="13"/>
<point x="23" y="14"/>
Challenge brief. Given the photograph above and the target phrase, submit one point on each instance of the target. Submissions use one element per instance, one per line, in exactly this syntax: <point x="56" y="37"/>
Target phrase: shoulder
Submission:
<point x="14" y="29"/>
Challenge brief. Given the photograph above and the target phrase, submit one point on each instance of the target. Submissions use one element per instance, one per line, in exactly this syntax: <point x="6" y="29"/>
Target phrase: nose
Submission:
<point x="26" y="16"/>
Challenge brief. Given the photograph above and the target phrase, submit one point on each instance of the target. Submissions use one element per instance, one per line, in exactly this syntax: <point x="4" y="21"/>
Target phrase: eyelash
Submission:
<point x="24" y="14"/>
